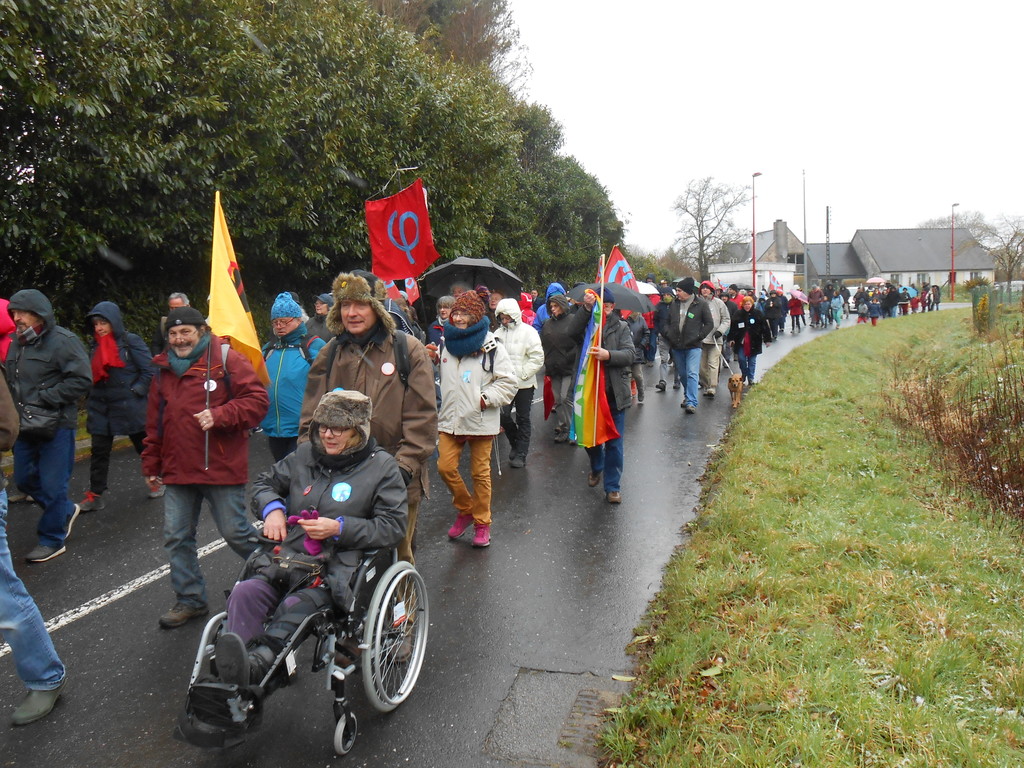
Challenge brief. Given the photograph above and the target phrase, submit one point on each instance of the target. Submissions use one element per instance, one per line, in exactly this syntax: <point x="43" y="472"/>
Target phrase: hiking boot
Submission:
<point x="614" y="497"/>
<point x="482" y="535"/>
<point x="42" y="553"/>
<point x="677" y="385"/>
<point x="709" y="393"/>
<point x="181" y="614"/>
<point x="660" y="386"/>
<point x="232" y="660"/>
<point x="15" y="495"/>
<point x="691" y="408"/>
<point x="92" y="502"/>
<point x="518" y="461"/>
<point x="156" y="489"/>
<point x="71" y="521"/>
<point x="37" y="705"/>
<point x="459" y="526"/>
<point x="593" y="479"/>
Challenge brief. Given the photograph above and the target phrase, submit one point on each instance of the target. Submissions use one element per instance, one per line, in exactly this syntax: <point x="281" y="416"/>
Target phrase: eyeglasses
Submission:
<point x="283" y="321"/>
<point x="336" y="431"/>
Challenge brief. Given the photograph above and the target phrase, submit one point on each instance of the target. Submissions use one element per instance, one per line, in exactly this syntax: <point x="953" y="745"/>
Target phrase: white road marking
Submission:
<point x="114" y="595"/>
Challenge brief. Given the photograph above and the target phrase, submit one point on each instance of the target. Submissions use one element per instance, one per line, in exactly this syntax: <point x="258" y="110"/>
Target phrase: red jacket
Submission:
<point x="175" y="445"/>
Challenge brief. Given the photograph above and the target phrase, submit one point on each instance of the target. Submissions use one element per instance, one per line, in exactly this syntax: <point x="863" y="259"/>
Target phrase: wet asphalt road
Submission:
<point x="516" y="630"/>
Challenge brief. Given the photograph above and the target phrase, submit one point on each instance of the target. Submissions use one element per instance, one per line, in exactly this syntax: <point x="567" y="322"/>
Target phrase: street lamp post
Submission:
<point x="753" y="227"/>
<point x="952" y="253"/>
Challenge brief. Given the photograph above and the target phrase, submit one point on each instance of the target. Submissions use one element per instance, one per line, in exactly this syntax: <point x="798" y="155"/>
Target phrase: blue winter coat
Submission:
<point x="288" y="368"/>
<point x="117" y="406"/>
<point x="543" y="313"/>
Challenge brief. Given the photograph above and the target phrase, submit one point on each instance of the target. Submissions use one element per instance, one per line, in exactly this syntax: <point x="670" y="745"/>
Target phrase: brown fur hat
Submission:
<point x="470" y="303"/>
<point x="358" y="286"/>
<point x="343" y="409"/>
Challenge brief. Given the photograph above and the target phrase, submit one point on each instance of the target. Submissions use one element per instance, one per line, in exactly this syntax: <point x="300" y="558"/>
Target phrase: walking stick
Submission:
<point x="721" y="357"/>
<point x="497" y="461"/>
<point x="206" y="432"/>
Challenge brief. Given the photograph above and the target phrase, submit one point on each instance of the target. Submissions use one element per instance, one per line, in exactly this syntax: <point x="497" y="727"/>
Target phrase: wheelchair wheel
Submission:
<point x="395" y="637"/>
<point x="345" y="733"/>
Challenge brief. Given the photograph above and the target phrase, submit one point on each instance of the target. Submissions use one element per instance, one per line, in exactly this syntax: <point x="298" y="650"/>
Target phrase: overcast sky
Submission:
<point x="895" y="110"/>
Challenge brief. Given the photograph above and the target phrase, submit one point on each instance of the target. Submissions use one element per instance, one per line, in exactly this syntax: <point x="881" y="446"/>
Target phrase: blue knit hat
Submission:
<point x="285" y="306"/>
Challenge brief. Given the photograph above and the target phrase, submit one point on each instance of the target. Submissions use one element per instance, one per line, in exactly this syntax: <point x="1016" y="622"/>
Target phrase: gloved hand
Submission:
<point x="406" y="475"/>
<point x="718" y="335"/>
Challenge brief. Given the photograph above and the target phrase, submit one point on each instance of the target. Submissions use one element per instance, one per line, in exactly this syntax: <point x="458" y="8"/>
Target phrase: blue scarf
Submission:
<point x="461" y="342"/>
<point x="181" y="364"/>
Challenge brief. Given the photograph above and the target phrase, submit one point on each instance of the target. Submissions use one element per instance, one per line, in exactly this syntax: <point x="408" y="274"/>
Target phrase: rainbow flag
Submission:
<point x="592" y="423"/>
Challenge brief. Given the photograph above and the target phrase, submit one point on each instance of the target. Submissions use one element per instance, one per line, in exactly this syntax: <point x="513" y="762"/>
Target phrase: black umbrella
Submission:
<point x="473" y="272"/>
<point x="624" y="297"/>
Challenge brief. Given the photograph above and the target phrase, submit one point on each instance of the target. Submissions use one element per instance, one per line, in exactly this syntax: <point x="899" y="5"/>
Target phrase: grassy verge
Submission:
<point x="837" y="604"/>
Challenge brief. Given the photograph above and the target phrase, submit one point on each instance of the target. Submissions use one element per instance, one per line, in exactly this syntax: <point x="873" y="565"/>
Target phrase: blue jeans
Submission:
<point x="181" y="516"/>
<point x="688" y="369"/>
<point x="42" y="469"/>
<point x="748" y="363"/>
<point x="608" y="457"/>
<point x="21" y="624"/>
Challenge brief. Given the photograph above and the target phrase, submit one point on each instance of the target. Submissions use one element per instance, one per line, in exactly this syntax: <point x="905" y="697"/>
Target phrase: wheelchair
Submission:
<point x="381" y="634"/>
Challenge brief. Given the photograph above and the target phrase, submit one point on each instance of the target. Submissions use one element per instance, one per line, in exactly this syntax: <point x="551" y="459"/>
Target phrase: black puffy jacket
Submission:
<point x="52" y="369"/>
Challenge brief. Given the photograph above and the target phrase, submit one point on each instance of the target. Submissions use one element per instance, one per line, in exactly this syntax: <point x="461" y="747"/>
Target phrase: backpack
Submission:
<point x="862" y="308"/>
<point x="402" y="365"/>
<point x="303" y="346"/>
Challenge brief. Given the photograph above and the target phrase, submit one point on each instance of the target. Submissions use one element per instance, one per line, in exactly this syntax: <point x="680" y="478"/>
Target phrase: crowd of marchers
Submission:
<point x="360" y="398"/>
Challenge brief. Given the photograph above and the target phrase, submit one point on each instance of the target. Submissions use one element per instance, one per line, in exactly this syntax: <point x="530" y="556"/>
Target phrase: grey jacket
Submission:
<point x="369" y="495"/>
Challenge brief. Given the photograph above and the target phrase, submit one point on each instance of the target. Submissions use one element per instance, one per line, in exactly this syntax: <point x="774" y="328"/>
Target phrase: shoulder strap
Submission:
<point x="333" y="344"/>
<point x="402" y="357"/>
<point x="224" y="347"/>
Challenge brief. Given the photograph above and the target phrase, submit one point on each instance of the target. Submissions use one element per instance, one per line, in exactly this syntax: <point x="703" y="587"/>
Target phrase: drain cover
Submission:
<point x="552" y="719"/>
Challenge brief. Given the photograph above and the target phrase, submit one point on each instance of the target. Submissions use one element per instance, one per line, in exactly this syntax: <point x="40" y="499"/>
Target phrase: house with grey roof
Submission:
<point x="920" y="256"/>
<point x="900" y="256"/>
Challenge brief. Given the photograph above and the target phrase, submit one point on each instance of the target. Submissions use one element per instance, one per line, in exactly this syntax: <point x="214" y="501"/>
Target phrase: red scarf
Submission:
<point x="105" y="357"/>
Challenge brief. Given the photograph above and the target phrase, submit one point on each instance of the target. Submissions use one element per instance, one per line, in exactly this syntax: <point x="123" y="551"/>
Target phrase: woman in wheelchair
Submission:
<point x="336" y="495"/>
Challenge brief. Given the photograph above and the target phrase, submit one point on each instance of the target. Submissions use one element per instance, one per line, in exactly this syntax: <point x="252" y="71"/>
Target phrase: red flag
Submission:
<point x="400" y="238"/>
<point x="412" y="290"/>
<point x="617" y="270"/>
<point x="409" y="285"/>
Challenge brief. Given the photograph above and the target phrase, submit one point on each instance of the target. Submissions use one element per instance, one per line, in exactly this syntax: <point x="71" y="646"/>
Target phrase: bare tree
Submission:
<point x="1008" y="246"/>
<point x="706" y="227"/>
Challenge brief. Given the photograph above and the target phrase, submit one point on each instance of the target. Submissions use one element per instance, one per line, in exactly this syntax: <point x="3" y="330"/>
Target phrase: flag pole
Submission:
<point x="600" y="336"/>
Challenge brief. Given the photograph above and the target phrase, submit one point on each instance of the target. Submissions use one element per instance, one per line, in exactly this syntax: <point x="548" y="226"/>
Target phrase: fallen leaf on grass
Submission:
<point x="712" y="671"/>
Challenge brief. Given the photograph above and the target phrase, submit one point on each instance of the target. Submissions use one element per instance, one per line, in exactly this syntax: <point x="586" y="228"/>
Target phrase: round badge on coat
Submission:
<point x="387" y="368"/>
<point x="210" y="385"/>
<point x="341" y="491"/>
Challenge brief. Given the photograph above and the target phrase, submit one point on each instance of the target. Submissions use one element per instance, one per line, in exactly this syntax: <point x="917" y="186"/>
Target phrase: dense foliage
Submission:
<point x="120" y="118"/>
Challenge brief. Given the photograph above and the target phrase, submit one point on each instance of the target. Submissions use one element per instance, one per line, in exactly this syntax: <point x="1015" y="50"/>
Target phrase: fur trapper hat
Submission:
<point x="471" y="304"/>
<point x="343" y="409"/>
<point x="358" y="286"/>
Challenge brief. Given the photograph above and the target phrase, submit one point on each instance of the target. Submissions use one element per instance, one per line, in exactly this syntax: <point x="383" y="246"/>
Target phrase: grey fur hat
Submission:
<point x="343" y="409"/>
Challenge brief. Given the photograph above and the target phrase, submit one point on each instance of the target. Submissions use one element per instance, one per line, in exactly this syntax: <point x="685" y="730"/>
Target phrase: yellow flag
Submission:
<point x="230" y="316"/>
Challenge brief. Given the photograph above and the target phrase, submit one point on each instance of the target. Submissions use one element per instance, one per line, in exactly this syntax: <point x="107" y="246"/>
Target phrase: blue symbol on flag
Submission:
<point x="398" y="234"/>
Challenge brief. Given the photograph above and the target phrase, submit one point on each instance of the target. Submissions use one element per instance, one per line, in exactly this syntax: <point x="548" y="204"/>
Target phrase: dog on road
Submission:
<point x="736" y="388"/>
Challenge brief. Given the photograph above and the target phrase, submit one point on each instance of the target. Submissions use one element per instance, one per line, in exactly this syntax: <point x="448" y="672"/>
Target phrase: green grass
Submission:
<point x="838" y="604"/>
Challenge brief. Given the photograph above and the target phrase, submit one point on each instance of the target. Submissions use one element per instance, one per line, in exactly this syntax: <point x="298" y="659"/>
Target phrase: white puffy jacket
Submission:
<point x="466" y="381"/>
<point x="522" y="343"/>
